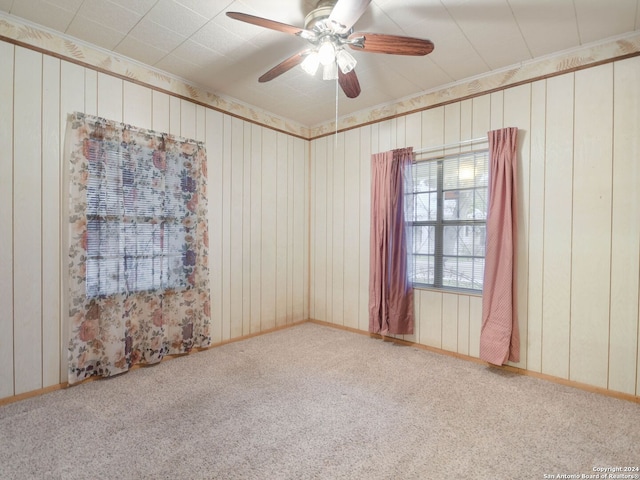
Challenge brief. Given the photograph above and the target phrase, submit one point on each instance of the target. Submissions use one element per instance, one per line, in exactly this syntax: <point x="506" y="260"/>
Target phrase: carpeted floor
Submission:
<point x="314" y="402"/>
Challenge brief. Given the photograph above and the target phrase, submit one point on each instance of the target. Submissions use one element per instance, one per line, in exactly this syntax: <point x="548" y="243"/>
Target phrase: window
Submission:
<point x="136" y="218"/>
<point x="448" y="221"/>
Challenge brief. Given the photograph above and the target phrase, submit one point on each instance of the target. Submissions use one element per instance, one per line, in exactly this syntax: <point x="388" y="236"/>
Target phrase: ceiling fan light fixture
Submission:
<point x="330" y="71"/>
<point x="310" y="63"/>
<point x="345" y="60"/>
<point x="327" y="52"/>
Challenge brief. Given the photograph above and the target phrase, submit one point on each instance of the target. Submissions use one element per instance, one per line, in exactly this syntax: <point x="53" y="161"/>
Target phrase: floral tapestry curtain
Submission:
<point x="138" y="246"/>
<point x="390" y="289"/>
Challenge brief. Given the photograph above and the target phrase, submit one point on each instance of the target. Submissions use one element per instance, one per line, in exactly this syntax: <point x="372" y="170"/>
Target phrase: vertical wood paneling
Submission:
<point x="452" y="127"/>
<point x="137" y="106"/>
<point x="246" y="230"/>
<point x="109" y="97"/>
<point x="431" y="318"/>
<point x="536" y="226"/>
<point x="300" y="232"/>
<point x="225" y="272"/>
<point x="591" y="247"/>
<point x="281" y="222"/>
<point x="463" y="324"/>
<point x="90" y="91"/>
<point x="6" y="220"/>
<point x="27" y="233"/>
<point x="201" y="123"/>
<point x="160" y="107"/>
<point x="256" y="228"/>
<point x="320" y="237"/>
<point x="51" y="214"/>
<point x="365" y="225"/>
<point x="557" y="227"/>
<point x="517" y="112"/>
<point x="175" y="117"/>
<point x="433" y="129"/>
<point x="497" y="110"/>
<point x="214" y="135"/>
<point x="352" y="216"/>
<point x="449" y="322"/>
<point x="329" y="227"/>
<point x="337" y="283"/>
<point x="290" y="220"/>
<point x="625" y="237"/>
<point x="269" y="228"/>
<point x="187" y="119"/>
<point x="236" y="223"/>
<point x="475" y="325"/>
<point x="481" y="122"/>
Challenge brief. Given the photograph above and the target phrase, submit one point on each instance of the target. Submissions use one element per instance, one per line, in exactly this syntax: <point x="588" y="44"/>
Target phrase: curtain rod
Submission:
<point x="458" y="144"/>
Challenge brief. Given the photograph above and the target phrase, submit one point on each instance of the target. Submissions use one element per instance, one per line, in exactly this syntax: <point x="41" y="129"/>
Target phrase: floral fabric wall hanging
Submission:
<point x="138" y="246"/>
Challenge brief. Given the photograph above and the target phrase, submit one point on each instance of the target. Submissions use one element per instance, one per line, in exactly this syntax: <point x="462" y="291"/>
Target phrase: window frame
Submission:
<point x="440" y="223"/>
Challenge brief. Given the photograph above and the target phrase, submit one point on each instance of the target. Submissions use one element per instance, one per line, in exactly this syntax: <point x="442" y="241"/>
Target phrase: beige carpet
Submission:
<point x="314" y="402"/>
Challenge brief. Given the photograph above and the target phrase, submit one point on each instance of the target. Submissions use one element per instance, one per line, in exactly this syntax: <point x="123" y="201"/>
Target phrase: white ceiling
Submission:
<point x="195" y="40"/>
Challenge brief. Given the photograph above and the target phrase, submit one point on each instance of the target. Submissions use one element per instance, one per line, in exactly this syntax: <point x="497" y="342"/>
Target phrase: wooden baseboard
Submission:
<point x="508" y="368"/>
<point x="63" y="385"/>
<point x="521" y="371"/>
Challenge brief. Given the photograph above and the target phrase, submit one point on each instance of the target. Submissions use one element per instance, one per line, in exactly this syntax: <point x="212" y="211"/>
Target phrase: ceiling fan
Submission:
<point x="329" y="29"/>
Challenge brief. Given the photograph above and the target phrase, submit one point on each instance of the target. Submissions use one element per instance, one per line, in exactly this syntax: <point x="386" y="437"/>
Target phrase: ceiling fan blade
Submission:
<point x="349" y="83"/>
<point x="391" y="44"/>
<point x="272" y="24"/>
<point x="284" y="66"/>
<point x="346" y="13"/>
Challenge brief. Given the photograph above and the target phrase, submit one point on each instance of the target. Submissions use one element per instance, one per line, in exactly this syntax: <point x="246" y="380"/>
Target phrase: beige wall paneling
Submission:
<point x="282" y="221"/>
<point x="236" y="224"/>
<point x="290" y="220"/>
<point x="338" y="255"/>
<point x="517" y="113"/>
<point x="497" y="110"/>
<point x="6" y="219"/>
<point x="475" y="313"/>
<point x="175" y="117"/>
<point x="463" y="324"/>
<point x="319" y="272"/>
<point x="625" y="238"/>
<point x="382" y="139"/>
<point x="306" y="217"/>
<point x="536" y="226"/>
<point x="431" y="318"/>
<point x="256" y="227"/>
<point x="72" y="99"/>
<point x="365" y="225"/>
<point x="51" y="222"/>
<point x="214" y="136"/>
<point x="449" y="322"/>
<point x="201" y="123"/>
<point x="90" y="91"/>
<point x="329" y="229"/>
<point x="432" y="131"/>
<point x="466" y="124"/>
<point x="137" y="105"/>
<point x="109" y="97"/>
<point x="352" y="218"/>
<point x="591" y="246"/>
<point x="27" y="226"/>
<point x="269" y="228"/>
<point x="452" y="127"/>
<point x="557" y="226"/>
<point x="160" y="108"/>
<point x="188" y="126"/>
<point x="225" y="226"/>
<point x="246" y="229"/>
<point x="300" y="233"/>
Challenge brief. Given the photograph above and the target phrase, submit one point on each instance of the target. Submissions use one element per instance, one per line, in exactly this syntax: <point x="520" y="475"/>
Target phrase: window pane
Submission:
<point x="424" y="240"/>
<point x="426" y="207"/>
<point x="424" y="269"/>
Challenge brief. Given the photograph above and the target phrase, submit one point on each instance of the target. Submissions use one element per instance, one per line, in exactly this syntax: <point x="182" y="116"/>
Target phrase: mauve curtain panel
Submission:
<point x="390" y="289"/>
<point x="499" y="337"/>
